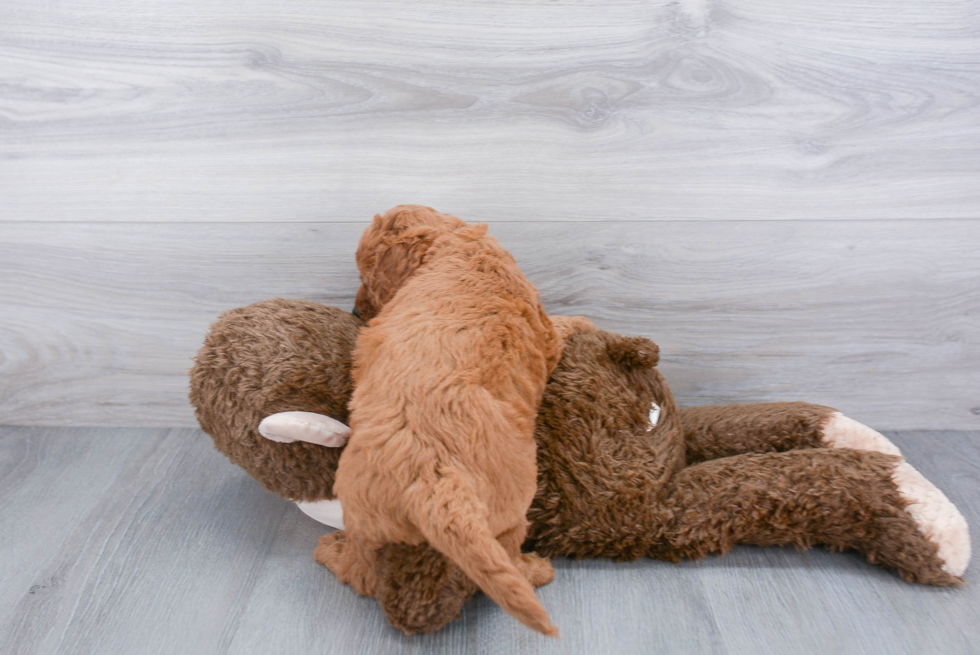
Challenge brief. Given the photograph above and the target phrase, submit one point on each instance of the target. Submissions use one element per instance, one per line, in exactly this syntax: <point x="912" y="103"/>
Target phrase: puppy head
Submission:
<point x="392" y="249"/>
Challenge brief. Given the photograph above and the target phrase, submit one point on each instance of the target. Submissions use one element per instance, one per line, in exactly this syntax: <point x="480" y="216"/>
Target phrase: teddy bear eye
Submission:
<point x="654" y="415"/>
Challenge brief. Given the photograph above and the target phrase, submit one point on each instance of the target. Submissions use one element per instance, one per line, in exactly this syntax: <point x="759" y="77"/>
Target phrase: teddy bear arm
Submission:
<point x="877" y="505"/>
<point x="724" y="430"/>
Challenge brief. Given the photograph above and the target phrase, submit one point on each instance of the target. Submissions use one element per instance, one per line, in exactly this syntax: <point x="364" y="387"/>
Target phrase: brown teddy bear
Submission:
<point x="622" y="471"/>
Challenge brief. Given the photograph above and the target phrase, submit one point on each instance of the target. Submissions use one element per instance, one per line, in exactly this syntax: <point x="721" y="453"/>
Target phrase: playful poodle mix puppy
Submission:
<point x="448" y="378"/>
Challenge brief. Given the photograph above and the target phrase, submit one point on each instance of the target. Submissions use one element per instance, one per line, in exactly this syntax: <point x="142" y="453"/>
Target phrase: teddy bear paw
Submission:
<point x="939" y="520"/>
<point x="840" y="431"/>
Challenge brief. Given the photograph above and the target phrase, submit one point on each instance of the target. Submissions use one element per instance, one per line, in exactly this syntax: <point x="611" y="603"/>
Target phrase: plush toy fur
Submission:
<point x="270" y="357"/>
<point x="610" y="484"/>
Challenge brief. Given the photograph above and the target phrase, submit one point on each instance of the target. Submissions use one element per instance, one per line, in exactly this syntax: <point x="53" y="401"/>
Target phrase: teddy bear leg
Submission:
<point x="419" y="589"/>
<point x="938" y="519"/>
<point x="842" y="498"/>
<point x="725" y="430"/>
<point x="352" y="561"/>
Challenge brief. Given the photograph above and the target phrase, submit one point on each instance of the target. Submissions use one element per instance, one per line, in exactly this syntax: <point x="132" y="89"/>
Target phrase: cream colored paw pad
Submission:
<point x="938" y="518"/>
<point x="842" y="432"/>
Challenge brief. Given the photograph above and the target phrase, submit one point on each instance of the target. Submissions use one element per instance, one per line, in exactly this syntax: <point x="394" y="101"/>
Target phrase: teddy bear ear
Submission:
<point x="634" y="352"/>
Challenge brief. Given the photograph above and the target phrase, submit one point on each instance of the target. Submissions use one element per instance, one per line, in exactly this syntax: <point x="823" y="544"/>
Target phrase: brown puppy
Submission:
<point x="448" y="378"/>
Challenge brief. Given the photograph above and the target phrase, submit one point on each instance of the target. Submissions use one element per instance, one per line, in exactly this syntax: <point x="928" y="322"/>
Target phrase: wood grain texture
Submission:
<point x="190" y="110"/>
<point x="101" y="320"/>
<point x="149" y="541"/>
<point x="164" y="524"/>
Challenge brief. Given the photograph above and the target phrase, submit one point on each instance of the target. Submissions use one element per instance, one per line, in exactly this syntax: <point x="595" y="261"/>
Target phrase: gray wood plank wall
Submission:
<point x="785" y="196"/>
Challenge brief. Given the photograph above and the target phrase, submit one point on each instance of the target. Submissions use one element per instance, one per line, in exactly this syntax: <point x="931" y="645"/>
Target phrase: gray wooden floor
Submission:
<point x="148" y="541"/>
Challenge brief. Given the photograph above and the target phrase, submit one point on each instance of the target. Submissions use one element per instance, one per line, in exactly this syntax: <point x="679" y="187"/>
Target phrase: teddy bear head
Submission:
<point x="607" y="432"/>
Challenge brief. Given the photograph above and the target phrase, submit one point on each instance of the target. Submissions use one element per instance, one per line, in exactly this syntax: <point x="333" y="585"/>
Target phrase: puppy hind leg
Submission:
<point x="329" y="547"/>
<point x="353" y="561"/>
<point x="536" y="569"/>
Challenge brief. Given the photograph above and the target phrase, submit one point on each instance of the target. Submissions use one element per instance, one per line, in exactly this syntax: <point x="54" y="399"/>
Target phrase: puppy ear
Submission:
<point x="400" y="260"/>
<point x="393" y="248"/>
<point x="634" y="352"/>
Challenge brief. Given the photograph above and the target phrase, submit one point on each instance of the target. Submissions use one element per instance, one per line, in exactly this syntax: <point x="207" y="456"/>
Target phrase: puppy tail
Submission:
<point x="456" y="525"/>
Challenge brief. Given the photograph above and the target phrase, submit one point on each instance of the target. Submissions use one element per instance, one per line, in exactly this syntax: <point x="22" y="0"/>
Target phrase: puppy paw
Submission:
<point x="939" y="520"/>
<point x="329" y="548"/>
<point x="351" y="566"/>
<point x="839" y="431"/>
<point x="536" y="569"/>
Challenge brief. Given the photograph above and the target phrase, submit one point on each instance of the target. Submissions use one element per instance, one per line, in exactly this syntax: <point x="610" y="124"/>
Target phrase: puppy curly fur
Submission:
<point x="448" y="377"/>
